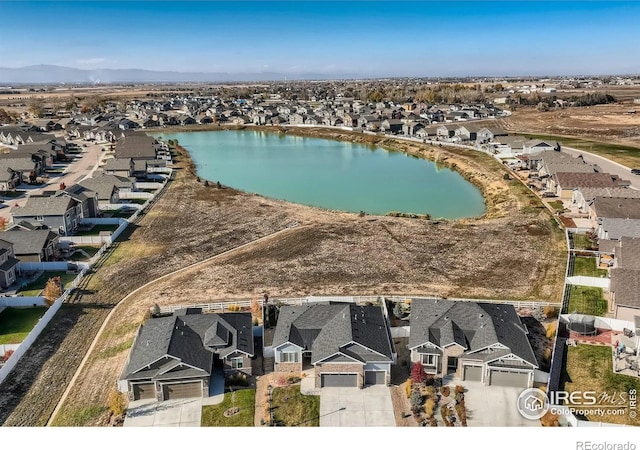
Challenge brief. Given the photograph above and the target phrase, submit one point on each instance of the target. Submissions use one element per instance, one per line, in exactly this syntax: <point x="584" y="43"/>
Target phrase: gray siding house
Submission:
<point x="8" y="264"/>
<point x="174" y="357"/>
<point x="61" y="214"/>
<point x="348" y="345"/>
<point x="483" y="342"/>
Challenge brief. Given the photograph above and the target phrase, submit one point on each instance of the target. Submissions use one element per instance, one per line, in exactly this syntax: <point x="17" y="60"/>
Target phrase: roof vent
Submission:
<point x="480" y="315"/>
<point x="446" y="317"/>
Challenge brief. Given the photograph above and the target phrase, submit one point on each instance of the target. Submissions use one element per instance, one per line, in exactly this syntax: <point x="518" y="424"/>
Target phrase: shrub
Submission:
<point x="506" y="176"/>
<point x="415" y="399"/>
<point x="550" y="420"/>
<point x="429" y="379"/>
<point x="430" y="391"/>
<point x="459" y="397"/>
<point x="417" y="373"/>
<point x="550" y="312"/>
<point x="7" y="355"/>
<point x="461" y="410"/>
<point x="459" y="389"/>
<point x="547" y="355"/>
<point x="429" y="407"/>
<point x="234" y="308"/>
<point x="293" y="379"/>
<point x="407" y="388"/>
<point x="551" y="329"/>
<point x="117" y="403"/>
<point x="444" y="412"/>
<point x="52" y="290"/>
<point x="445" y="391"/>
<point x="397" y="310"/>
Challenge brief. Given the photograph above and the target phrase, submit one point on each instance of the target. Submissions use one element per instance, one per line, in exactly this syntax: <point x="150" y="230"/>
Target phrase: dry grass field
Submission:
<point x="514" y="251"/>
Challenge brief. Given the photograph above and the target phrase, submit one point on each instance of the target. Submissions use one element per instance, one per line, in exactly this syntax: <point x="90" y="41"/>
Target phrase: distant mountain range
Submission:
<point x="61" y="74"/>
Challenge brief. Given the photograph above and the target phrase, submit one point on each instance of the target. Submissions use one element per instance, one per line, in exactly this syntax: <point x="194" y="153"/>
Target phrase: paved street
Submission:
<point x="606" y="165"/>
<point x="74" y="172"/>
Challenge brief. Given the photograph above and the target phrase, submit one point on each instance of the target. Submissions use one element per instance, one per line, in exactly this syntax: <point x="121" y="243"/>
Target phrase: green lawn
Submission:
<point x="582" y="242"/>
<point x="587" y="266"/>
<point x="623" y="154"/>
<point x="88" y="249"/>
<point x="33" y="289"/>
<point x="292" y="409"/>
<point x="213" y="415"/>
<point x="557" y="205"/>
<point x="97" y="229"/>
<point x="590" y="368"/>
<point x="587" y="300"/>
<point x="17" y="323"/>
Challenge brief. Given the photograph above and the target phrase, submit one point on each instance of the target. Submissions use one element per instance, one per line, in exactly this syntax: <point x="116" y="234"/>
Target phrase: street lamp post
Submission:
<point x="270" y="400"/>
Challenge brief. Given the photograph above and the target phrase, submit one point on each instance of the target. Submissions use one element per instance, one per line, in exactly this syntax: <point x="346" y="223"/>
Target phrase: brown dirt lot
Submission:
<point x="515" y="251"/>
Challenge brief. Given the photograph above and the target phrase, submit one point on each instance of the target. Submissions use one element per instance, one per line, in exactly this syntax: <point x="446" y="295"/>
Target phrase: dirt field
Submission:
<point x="600" y="121"/>
<point x="515" y="251"/>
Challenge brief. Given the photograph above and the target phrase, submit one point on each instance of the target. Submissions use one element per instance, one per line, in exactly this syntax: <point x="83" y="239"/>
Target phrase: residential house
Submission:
<point x="446" y="131"/>
<point x="411" y="128"/>
<point x="564" y="183"/>
<point x="32" y="245"/>
<point x="107" y="187"/>
<point x="489" y="134"/>
<point x="535" y="146"/>
<point x="467" y="132"/>
<point x="8" y="264"/>
<point x="347" y="344"/>
<point x="583" y="197"/>
<point x="625" y="279"/>
<point x="122" y="167"/>
<point x="60" y="213"/>
<point x="393" y="126"/>
<point x="86" y="198"/>
<point x="174" y="357"/>
<point x="482" y="342"/>
<point x="616" y="229"/>
<point x="613" y="208"/>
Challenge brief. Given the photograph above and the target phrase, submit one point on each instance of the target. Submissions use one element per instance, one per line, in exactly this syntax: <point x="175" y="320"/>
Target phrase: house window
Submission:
<point x="429" y="360"/>
<point x="236" y="363"/>
<point x="289" y="357"/>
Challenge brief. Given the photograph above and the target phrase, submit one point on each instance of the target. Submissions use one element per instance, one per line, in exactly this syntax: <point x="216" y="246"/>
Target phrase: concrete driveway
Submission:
<point x="494" y="406"/>
<point x="171" y="413"/>
<point x="352" y="407"/>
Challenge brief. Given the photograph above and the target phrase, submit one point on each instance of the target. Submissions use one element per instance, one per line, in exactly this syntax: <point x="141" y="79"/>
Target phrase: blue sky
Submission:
<point x="375" y="39"/>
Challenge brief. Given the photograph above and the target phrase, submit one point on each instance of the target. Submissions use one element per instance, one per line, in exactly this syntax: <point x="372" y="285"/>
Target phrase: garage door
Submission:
<point x="506" y="378"/>
<point x="339" y="380"/>
<point x="375" y="377"/>
<point x="182" y="390"/>
<point x="472" y="373"/>
<point x="143" y="390"/>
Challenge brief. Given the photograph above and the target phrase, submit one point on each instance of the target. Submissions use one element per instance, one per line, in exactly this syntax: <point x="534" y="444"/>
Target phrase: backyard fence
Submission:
<point x="581" y="280"/>
<point x="101" y="221"/>
<point x="400" y="332"/>
<point x="119" y="206"/>
<point x="515" y="303"/>
<point x="30" y="339"/>
<point x="135" y="195"/>
<point x="606" y="323"/>
<point x="84" y="240"/>
<point x="148" y="185"/>
<point x="49" y="266"/>
<point x="21" y="302"/>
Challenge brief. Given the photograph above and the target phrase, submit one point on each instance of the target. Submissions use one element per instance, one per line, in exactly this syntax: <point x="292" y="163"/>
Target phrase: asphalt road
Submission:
<point x="83" y="167"/>
<point x="606" y="165"/>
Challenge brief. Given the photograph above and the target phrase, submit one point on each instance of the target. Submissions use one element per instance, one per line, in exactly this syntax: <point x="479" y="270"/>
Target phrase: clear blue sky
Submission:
<point x="375" y="39"/>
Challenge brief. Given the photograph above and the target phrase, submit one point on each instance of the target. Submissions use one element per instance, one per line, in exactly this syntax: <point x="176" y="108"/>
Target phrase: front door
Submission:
<point x="452" y="364"/>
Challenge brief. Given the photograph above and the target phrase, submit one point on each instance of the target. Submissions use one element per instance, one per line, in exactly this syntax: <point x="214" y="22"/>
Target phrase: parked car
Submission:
<point x="635" y="171"/>
<point x="548" y="194"/>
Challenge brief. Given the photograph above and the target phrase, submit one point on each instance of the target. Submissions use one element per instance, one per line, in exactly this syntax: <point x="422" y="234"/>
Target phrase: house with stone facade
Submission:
<point x="483" y="342"/>
<point x="174" y="357"/>
<point x="347" y="345"/>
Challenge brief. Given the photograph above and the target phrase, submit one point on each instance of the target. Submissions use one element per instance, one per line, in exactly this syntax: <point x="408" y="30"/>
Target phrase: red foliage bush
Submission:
<point x="417" y="373"/>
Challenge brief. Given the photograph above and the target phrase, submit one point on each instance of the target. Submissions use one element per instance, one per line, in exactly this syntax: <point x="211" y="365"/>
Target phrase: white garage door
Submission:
<point x="339" y="380"/>
<point x="182" y="390"/>
<point x="508" y="378"/>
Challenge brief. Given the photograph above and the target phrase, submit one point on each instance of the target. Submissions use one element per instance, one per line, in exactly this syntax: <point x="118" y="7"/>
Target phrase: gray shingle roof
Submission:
<point x="471" y="325"/>
<point x="617" y="228"/>
<point x="625" y="284"/>
<point x="572" y="180"/>
<point x="326" y="329"/>
<point x="118" y="164"/>
<point x="28" y="242"/>
<point x="44" y="206"/>
<point x="627" y="253"/>
<point x="589" y="193"/>
<point x="617" y="208"/>
<point x="183" y="340"/>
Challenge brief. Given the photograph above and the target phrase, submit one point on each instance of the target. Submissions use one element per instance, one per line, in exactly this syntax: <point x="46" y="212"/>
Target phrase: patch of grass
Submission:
<point x="587" y="266"/>
<point x="97" y="229"/>
<point x="590" y="368"/>
<point x="582" y="242"/>
<point x="80" y="416"/>
<point x="89" y="250"/>
<point x="587" y="300"/>
<point x="623" y="154"/>
<point x="292" y="409"/>
<point x="139" y="201"/>
<point x="557" y="205"/>
<point x="116" y="349"/>
<point x="34" y="288"/>
<point x="17" y="323"/>
<point x="245" y="399"/>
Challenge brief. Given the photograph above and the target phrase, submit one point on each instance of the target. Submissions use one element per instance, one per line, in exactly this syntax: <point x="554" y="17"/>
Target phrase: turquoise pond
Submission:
<point x="330" y="174"/>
